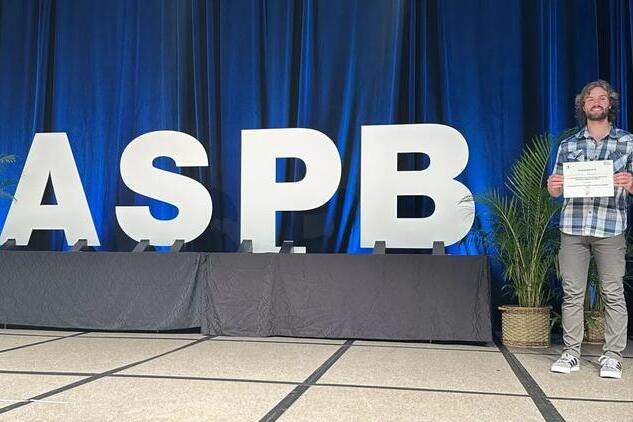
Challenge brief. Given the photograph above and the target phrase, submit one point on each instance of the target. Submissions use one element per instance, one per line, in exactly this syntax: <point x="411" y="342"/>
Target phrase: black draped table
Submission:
<point x="101" y="290"/>
<point x="405" y="297"/>
<point x="397" y="297"/>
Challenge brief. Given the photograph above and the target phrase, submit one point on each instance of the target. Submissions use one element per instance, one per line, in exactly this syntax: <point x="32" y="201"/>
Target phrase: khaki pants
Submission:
<point x="573" y="257"/>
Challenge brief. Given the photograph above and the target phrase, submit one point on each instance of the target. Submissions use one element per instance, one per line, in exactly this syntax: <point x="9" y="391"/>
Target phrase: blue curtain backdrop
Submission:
<point x="105" y="72"/>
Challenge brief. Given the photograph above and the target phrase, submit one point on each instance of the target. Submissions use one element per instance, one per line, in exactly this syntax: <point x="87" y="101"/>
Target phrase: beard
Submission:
<point x="597" y="114"/>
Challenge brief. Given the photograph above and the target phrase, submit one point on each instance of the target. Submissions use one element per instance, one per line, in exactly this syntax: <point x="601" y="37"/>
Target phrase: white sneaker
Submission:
<point x="566" y="364"/>
<point x="609" y="367"/>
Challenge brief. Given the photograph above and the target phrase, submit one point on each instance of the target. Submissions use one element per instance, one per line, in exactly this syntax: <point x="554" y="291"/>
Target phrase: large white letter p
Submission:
<point x="262" y="195"/>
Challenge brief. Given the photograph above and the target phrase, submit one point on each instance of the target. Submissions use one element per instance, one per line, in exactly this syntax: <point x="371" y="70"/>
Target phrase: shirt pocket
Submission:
<point x="573" y="156"/>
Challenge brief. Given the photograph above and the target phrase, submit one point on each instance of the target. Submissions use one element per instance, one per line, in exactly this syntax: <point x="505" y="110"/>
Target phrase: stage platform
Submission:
<point x="387" y="297"/>
<point x="79" y="376"/>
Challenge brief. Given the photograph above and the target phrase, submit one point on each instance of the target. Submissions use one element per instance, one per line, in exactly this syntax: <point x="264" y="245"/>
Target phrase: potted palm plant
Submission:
<point x="525" y="238"/>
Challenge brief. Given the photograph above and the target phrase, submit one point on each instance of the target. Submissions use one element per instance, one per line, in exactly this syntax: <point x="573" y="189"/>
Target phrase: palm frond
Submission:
<point x="4" y="184"/>
<point x="7" y="158"/>
<point x="521" y="224"/>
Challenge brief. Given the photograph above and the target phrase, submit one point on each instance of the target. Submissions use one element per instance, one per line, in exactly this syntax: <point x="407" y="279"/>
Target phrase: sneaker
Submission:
<point x="609" y="367"/>
<point x="566" y="364"/>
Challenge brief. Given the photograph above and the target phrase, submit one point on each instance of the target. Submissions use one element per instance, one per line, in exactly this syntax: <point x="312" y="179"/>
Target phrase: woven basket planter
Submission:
<point x="594" y="327"/>
<point x="525" y="327"/>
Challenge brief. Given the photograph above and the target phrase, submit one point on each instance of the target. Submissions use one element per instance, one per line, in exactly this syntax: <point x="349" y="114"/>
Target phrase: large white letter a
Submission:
<point x="50" y="154"/>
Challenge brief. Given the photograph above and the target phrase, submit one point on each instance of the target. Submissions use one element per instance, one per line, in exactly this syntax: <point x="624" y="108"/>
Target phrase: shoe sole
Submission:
<point x="612" y="376"/>
<point x="566" y="370"/>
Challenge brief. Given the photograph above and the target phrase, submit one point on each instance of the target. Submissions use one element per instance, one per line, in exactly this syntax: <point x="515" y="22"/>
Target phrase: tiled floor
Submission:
<point x="81" y="376"/>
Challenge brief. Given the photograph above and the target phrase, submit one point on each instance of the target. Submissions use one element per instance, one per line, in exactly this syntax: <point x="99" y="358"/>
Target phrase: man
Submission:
<point x="594" y="225"/>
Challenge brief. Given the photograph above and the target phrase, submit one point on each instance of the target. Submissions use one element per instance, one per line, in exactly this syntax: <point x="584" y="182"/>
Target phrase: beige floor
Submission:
<point x="72" y="376"/>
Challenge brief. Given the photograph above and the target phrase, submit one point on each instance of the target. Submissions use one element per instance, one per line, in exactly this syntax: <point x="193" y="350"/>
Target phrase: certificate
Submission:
<point x="585" y="179"/>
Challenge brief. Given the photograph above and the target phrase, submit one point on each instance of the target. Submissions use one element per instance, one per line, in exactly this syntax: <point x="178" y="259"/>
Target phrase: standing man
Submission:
<point x="594" y="225"/>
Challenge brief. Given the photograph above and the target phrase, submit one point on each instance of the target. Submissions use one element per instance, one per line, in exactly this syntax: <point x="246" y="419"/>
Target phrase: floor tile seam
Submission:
<point x="31" y="335"/>
<point x="321" y="370"/>
<point x="356" y="345"/>
<point x="212" y="379"/>
<point x="153" y="376"/>
<point x="28" y="401"/>
<point x="441" y="349"/>
<point x="422" y="389"/>
<point x="547" y="410"/>
<point x="592" y="400"/>
<point x="140" y="338"/>
<point x="270" y="342"/>
<point x="299" y="390"/>
<point x="145" y="376"/>
<point x="37" y="331"/>
<point x="262" y="381"/>
<point x="317" y="384"/>
<point x="277" y="342"/>
<point x="24" y="346"/>
<point x="48" y="373"/>
<point x="97" y="377"/>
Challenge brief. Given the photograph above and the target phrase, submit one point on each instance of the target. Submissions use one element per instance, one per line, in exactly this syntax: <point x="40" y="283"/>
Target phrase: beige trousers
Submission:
<point x="573" y="257"/>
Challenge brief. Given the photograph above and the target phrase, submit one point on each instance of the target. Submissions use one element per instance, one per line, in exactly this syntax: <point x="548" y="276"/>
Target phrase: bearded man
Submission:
<point x="594" y="225"/>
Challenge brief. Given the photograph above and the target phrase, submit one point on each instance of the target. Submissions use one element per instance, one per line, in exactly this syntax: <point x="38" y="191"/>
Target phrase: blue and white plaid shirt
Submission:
<point x="604" y="216"/>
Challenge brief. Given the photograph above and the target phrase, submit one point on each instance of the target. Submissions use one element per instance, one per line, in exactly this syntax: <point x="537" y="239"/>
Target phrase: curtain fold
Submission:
<point x="105" y="73"/>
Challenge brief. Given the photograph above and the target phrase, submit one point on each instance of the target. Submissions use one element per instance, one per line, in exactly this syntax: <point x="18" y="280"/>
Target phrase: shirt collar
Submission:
<point x="584" y="133"/>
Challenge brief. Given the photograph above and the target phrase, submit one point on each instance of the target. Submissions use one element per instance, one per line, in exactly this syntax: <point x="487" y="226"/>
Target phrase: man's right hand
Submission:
<point x="555" y="185"/>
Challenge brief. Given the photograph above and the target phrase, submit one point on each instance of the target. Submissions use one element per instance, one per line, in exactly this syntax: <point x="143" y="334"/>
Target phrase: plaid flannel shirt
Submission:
<point x="603" y="216"/>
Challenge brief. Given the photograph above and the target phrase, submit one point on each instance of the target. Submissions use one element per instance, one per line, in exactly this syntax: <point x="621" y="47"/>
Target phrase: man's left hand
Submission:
<point x="623" y="180"/>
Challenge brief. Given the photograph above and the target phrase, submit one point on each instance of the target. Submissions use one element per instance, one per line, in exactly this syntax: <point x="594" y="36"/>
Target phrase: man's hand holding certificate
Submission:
<point x="588" y="179"/>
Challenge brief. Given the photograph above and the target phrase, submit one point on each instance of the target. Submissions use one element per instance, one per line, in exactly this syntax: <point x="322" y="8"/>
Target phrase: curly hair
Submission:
<point x="614" y="101"/>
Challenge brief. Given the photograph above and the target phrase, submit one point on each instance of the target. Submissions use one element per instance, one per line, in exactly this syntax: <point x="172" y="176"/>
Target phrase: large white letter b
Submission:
<point x="382" y="183"/>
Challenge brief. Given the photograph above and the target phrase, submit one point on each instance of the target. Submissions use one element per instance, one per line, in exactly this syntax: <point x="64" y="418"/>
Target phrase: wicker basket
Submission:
<point x="594" y="327"/>
<point x="525" y="327"/>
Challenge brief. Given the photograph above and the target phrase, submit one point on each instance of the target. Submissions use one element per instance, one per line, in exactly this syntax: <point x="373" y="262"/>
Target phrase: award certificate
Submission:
<point x="585" y="179"/>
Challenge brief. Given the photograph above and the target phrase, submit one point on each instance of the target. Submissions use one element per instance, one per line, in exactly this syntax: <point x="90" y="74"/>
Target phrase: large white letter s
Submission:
<point x="190" y="197"/>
